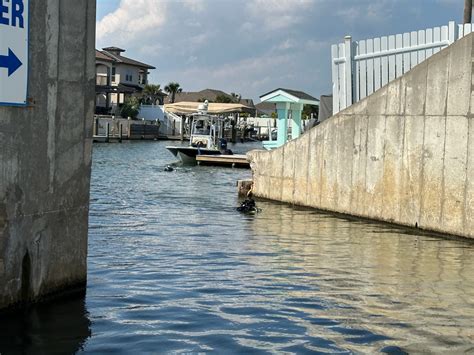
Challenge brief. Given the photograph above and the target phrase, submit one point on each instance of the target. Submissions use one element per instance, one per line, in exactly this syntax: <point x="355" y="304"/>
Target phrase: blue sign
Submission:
<point x="14" y="20"/>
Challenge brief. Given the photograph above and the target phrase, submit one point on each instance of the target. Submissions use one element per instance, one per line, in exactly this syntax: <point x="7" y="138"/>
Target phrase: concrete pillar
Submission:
<point x="282" y="124"/>
<point x="45" y="157"/>
<point x="296" y="110"/>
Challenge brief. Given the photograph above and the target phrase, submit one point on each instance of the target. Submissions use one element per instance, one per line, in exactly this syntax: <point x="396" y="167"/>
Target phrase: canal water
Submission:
<point x="173" y="268"/>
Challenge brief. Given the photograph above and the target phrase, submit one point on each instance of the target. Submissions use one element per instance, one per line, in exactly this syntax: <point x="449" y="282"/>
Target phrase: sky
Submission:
<point x="251" y="47"/>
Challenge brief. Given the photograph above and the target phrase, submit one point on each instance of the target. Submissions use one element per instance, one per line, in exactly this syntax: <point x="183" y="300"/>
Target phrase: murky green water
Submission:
<point x="174" y="268"/>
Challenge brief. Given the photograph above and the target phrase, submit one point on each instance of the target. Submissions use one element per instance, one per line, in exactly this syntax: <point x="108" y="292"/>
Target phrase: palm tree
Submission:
<point x="172" y="89"/>
<point x="467" y="11"/>
<point x="152" y="93"/>
<point x="235" y="97"/>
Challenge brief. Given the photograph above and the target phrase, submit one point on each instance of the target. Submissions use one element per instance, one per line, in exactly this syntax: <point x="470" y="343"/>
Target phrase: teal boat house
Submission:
<point x="289" y="105"/>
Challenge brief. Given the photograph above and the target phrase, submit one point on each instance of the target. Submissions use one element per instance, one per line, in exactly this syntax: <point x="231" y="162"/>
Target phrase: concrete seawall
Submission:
<point x="404" y="155"/>
<point x="45" y="157"/>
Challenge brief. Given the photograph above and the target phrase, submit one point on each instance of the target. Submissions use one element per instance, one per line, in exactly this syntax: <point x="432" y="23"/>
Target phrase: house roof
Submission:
<point x="113" y="49"/>
<point x="102" y="56"/>
<point x="299" y="94"/>
<point x="117" y="58"/>
<point x="289" y="96"/>
<point x="266" y="106"/>
<point x="206" y="94"/>
<point x="247" y="102"/>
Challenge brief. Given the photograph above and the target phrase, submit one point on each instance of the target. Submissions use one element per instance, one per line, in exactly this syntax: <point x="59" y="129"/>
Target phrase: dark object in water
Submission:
<point x="169" y="168"/>
<point x="248" y="206"/>
<point x="223" y="147"/>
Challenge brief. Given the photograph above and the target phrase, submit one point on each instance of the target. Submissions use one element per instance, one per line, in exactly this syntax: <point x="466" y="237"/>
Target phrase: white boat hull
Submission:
<point x="188" y="154"/>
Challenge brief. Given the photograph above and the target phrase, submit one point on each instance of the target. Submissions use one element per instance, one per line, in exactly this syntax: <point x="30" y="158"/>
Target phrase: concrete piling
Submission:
<point x="45" y="157"/>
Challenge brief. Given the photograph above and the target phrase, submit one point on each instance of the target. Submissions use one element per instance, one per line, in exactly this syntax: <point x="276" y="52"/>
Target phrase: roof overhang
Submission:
<point x="283" y="96"/>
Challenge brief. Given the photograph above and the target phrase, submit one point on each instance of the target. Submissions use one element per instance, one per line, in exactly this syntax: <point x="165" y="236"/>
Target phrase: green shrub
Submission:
<point x="130" y="108"/>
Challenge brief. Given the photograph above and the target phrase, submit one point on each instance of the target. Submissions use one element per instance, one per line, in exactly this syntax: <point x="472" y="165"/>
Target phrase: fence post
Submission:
<point x="107" y="132"/>
<point x="181" y="130"/>
<point x="348" y="70"/>
<point x="335" y="79"/>
<point x="96" y="126"/>
<point x="452" y="32"/>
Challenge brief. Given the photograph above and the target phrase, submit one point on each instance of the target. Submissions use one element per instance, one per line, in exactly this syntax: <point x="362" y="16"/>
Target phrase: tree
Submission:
<point x="130" y="108"/>
<point x="223" y="99"/>
<point x="152" y="93"/>
<point x="235" y="97"/>
<point x="310" y="109"/>
<point x="172" y="89"/>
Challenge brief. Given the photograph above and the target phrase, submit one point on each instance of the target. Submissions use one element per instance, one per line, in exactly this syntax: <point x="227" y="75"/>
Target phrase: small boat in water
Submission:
<point x="205" y="139"/>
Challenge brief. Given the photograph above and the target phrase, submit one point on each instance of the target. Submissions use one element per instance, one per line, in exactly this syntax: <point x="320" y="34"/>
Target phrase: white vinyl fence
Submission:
<point x="170" y="123"/>
<point x="361" y="67"/>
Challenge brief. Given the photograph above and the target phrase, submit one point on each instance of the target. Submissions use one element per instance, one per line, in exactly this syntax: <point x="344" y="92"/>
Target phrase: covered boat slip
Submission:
<point x="207" y="126"/>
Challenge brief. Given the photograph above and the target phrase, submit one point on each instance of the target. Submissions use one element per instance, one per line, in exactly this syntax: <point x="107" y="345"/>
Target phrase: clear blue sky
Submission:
<point x="253" y="46"/>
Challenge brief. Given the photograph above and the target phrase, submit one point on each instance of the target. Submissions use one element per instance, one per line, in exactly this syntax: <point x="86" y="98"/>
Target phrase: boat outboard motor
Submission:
<point x="222" y="144"/>
<point x="223" y="147"/>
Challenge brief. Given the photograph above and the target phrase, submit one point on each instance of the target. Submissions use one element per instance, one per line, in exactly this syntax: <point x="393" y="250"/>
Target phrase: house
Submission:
<point x="199" y="96"/>
<point x="117" y="77"/>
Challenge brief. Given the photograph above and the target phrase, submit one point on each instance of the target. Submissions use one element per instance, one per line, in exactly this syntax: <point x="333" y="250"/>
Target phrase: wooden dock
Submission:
<point x="107" y="139"/>
<point x="236" y="160"/>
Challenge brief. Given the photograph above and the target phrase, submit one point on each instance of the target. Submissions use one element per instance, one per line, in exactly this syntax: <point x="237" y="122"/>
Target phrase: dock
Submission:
<point x="236" y="160"/>
<point x="107" y="139"/>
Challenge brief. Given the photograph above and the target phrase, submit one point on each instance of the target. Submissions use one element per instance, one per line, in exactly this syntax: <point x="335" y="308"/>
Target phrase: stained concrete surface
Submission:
<point x="45" y="157"/>
<point x="402" y="155"/>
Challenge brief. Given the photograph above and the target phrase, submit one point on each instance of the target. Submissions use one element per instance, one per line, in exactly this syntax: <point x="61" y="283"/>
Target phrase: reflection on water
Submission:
<point x="174" y="268"/>
<point x="51" y="328"/>
<point x="417" y="291"/>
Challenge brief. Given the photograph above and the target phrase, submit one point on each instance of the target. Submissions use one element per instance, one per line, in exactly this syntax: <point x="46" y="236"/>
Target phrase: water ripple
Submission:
<point x="174" y="269"/>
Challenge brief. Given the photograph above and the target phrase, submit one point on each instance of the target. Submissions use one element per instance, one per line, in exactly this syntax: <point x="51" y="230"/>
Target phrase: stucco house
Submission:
<point x="116" y="77"/>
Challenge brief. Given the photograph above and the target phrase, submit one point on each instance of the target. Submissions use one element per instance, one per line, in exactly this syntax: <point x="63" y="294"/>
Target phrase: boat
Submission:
<point x="205" y="138"/>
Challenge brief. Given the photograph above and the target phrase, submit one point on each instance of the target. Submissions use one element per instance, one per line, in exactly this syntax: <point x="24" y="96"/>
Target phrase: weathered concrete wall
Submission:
<point x="404" y="155"/>
<point x="45" y="156"/>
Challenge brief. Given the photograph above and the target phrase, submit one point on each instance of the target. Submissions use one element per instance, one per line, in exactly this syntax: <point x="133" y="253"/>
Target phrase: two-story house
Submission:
<point x="117" y="77"/>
